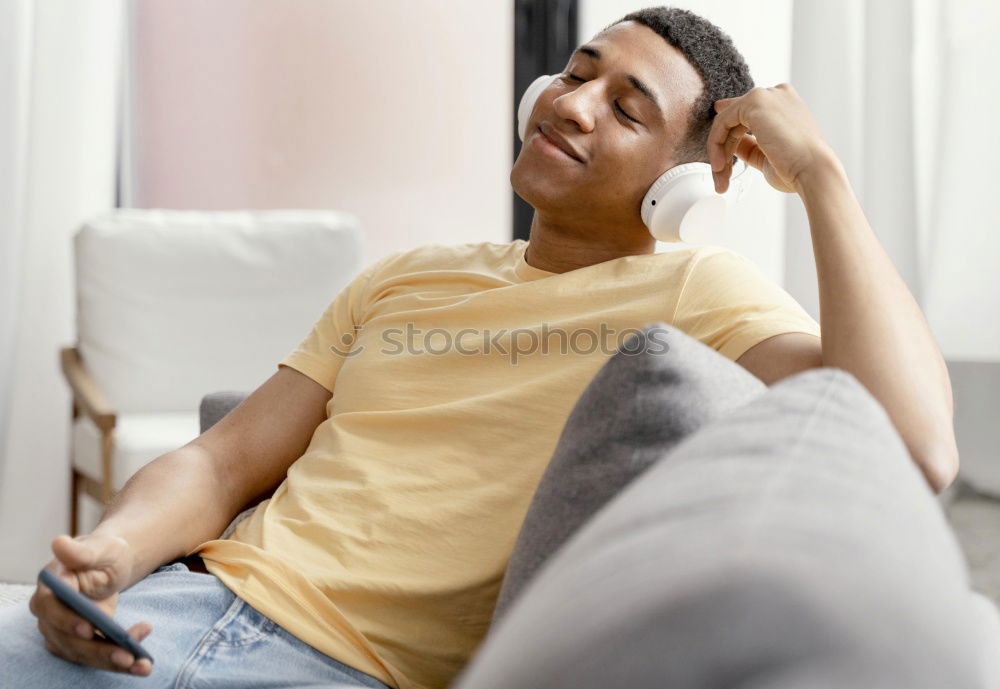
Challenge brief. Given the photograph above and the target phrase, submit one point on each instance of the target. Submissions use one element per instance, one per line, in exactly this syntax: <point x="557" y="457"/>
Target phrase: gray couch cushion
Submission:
<point x="659" y="387"/>
<point x="215" y="405"/>
<point x="792" y="543"/>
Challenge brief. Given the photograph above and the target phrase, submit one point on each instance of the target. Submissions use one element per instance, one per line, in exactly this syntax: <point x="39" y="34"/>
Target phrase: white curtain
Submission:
<point x="905" y="91"/>
<point x="59" y="76"/>
<point x="15" y="60"/>
<point x="959" y="57"/>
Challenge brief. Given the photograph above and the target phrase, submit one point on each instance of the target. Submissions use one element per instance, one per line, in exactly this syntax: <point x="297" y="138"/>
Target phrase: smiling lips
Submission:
<point x="556" y="139"/>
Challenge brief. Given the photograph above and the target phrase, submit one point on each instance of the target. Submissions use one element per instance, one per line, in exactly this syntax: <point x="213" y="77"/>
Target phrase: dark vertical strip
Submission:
<point x="544" y="36"/>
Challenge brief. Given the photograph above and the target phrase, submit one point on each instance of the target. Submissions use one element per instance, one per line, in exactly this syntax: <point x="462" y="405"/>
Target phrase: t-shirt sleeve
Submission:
<point x="322" y="352"/>
<point x="727" y="303"/>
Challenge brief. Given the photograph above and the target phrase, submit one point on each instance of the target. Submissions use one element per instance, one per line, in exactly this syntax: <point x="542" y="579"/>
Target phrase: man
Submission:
<point x="403" y="438"/>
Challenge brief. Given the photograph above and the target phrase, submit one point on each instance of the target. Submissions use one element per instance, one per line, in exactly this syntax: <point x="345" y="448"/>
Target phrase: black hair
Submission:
<point x="724" y="72"/>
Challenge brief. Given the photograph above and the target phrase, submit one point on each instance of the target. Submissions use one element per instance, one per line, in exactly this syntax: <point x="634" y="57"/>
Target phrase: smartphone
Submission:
<point x="85" y="607"/>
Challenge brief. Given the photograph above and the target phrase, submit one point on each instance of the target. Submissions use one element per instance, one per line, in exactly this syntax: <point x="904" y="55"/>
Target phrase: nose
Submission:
<point x="578" y="105"/>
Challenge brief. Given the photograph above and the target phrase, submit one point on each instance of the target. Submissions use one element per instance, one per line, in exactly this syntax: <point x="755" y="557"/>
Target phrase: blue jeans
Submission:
<point x="204" y="637"/>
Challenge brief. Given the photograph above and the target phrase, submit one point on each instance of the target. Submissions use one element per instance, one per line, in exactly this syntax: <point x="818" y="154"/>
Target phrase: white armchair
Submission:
<point x="171" y="303"/>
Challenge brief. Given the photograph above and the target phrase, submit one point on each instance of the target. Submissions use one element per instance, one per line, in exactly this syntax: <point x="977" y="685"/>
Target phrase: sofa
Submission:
<point x="727" y="534"/>
<point x="697" y="529"/>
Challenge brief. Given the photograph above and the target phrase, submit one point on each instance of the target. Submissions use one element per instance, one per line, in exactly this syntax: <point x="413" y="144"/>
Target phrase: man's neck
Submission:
<point x="557" y="251"/>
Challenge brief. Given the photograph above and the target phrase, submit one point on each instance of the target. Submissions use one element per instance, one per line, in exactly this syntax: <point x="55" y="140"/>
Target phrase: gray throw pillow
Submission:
<point x="791" y="544"/>
<point x="659" y="387"/>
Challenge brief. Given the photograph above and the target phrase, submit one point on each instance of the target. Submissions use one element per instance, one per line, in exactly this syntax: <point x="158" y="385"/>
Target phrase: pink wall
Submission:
<point x="397" y="111"/>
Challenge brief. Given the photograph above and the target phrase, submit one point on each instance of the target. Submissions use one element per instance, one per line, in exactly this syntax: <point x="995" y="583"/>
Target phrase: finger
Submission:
<point x="722" y="172"/>
<point x="45" y="606"/>
<point x="71" y="648"/>
<point x="719" y="132"/>
<point x="123" y="659"/>
<point x="736" y="135"/>
<point x="94" y="652"/>
<point x="749" y="151"/>
<point x="721" y="180"/>
<point x="95" y="562"/>
<point x="142" y="666"/>
<point x="732" y="141"/>
<point x="73" y="553"/>
<point x="724" y="103"/>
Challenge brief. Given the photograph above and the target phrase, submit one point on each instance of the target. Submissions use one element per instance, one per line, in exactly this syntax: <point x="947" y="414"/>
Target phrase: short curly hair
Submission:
<point x="724" y="72"/>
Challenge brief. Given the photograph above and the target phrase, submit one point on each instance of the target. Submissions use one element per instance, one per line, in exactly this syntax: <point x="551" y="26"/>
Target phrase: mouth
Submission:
<point x="552" y="140"/>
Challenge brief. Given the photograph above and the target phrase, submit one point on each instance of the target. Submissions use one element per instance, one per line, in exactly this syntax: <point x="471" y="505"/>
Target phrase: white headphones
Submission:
<point x="682" y="204"/>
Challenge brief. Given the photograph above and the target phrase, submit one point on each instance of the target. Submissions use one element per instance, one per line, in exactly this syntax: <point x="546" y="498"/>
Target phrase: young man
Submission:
<point x="403" y="438"/>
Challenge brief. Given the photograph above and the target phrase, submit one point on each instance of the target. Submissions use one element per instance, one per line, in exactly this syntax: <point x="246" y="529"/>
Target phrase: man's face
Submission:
<point x="619" y="157"/>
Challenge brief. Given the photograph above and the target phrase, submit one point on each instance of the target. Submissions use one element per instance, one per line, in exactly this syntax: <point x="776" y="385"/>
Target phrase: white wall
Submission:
<point x="761" y="31"/>
<point x="396" y="111"/>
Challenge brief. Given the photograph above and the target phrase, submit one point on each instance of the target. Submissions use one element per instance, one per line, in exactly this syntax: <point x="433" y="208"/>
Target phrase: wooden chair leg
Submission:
<point x="107" y="444"/>
<point x="101" y="491"/>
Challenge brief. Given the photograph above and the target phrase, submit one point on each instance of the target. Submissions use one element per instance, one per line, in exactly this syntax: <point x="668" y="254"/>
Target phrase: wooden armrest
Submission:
<point x="85" y="391"/>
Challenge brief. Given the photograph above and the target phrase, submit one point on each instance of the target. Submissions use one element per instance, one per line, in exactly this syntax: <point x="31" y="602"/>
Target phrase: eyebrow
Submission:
<point x="636" y="83"/>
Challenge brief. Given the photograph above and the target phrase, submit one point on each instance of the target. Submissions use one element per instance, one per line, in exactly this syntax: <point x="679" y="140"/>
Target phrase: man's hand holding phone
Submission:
<point x="99" y="567"/>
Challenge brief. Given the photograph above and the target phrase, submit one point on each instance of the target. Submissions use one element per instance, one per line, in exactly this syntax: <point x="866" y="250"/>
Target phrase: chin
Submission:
<point x="539" y="190"/>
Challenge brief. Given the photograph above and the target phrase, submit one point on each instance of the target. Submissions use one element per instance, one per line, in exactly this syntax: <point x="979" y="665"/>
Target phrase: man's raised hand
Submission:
<point x="786" y="140"/>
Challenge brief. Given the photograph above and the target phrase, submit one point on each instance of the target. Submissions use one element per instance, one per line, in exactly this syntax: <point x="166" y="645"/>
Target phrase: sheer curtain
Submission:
<point x="15" y="64"/>
<point x="59" y="75"/>
<point x="959" y="57"/>
<point x="903" y="90"/>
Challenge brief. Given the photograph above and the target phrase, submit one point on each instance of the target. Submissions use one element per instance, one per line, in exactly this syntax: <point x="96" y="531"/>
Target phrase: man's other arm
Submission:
<point x="789" y="353"/>
<point x="872" y="326"/>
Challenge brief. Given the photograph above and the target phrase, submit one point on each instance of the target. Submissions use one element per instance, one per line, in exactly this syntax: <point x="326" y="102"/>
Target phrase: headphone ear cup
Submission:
<point x="527" y="103"/>
<point x="683" y="206"/>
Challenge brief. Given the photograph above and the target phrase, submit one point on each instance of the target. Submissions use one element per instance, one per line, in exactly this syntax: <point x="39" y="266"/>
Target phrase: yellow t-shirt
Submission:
<point x="386" y="544"/>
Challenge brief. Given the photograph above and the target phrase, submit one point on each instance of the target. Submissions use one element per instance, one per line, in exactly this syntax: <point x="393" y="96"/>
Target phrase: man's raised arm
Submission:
<point x="871" y="325"/>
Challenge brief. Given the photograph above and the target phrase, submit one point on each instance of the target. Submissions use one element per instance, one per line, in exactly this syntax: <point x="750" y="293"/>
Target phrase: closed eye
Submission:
<point x="618" y="107"/>
<point x="625" y="113"/>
